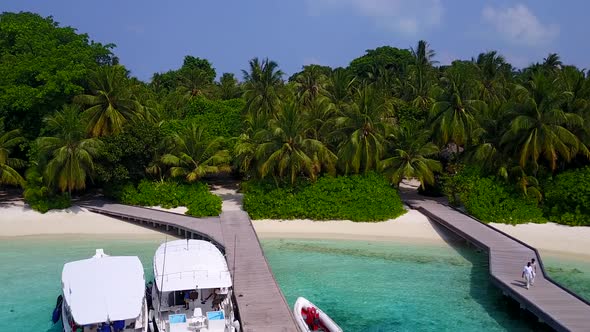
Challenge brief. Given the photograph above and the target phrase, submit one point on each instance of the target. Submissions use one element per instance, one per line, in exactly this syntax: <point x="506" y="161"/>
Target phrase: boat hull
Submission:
<point x="325" y="321"/>
<point x="144" y="320"/>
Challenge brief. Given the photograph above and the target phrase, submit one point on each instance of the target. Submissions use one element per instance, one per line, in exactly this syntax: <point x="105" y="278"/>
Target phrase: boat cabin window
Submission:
<point x="175" y="298"/>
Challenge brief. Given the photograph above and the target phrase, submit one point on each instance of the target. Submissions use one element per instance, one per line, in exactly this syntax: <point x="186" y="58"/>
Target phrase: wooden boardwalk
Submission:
<point x="553" y="304"/>
<point x="185" y="226"/>
<point x="260" y="302"/>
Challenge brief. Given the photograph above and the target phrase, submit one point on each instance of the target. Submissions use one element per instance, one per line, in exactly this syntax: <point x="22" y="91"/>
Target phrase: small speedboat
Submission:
<point x="103" y="293"/>
<point x="311" y="318"/>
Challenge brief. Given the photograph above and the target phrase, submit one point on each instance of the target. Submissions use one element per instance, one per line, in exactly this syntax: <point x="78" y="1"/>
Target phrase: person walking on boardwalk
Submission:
<point x="527" y="274"/>
<point x="534" y="269"/>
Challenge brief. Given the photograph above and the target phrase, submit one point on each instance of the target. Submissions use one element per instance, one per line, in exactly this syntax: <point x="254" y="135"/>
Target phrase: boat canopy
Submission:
<point x="190" y="264"/>
<point x="103" y="288"/>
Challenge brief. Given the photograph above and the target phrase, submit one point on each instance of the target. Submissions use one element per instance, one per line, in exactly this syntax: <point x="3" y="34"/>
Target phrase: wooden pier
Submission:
<point x="260" y="302"/>
<point x="553" y="304"/>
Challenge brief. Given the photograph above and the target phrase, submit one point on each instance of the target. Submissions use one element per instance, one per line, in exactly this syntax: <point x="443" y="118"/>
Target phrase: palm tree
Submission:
<point x="484" y="149"/>
<point x="340" y="86"/>
<point x="552" y="62"/>
<point x="419" y="83"/>
<point x="410" y="157"/>
<point x="319" y="116"/>
<point x="173" y="104"/>
<point x="9" y="140"/>
<point x="156" y="167"/>
<point x="527" y="184"/>
<point x="288" y="153"/>
<point x="362" y="128"/>
<point x="255" y="133"/>
<point x="194" y="82"/>
<point x="574" y="80"/>
<point x="245" y="154"/>
<point x="69" y="153"/>
<point x="423" y="55"/>
<point x="540" y="127"/>
<point x="310" y="83"/>
<point x="262" y="85"/>
<point x="452" y="117"/>
<point x="150" y="109"/>
<point x="193" y="156"/>
<point x="493" y="72"/>
<point x="229" y="87"/>
<point x="111" y="104"/>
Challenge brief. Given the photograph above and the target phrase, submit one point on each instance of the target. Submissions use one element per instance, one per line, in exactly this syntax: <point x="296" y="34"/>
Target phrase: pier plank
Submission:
<point x="558" y="307"/>
<point x="260" y="302"/>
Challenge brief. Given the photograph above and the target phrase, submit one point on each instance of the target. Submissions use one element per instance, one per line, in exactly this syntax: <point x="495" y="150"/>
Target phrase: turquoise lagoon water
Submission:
<point x="571" y="272"/>
<point x="364" y="286"/>
<point x="30" y="273"/>
<point x="372" y="286"/>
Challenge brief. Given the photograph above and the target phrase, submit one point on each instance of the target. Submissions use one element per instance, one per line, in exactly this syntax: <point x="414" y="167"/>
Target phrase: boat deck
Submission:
<point x="553" y="304"/>
<point x="261" y="304"/>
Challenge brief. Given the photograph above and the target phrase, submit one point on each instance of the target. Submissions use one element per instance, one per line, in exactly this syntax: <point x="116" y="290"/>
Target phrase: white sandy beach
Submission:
<point x="412" y="226"/>
<point x="552" y="238"/>
<point x="19" y="220"/>
<point x="179" y="210"/>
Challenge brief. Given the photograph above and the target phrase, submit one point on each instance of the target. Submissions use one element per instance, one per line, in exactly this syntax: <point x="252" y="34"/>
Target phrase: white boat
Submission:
<point x="104" y="293"/>
<point x="311" y="318"/>
<point x="192" y="289"/>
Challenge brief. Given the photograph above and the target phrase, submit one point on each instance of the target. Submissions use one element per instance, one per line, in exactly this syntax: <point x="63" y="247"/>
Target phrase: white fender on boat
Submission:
<point x="236" y="325"/>
<point x="151" y="315"/>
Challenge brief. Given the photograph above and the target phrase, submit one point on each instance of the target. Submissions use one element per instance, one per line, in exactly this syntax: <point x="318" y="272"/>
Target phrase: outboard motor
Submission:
<point x="57" y="310"/>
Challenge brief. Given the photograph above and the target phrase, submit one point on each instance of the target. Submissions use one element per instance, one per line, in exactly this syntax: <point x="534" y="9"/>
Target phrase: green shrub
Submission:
<point x="567" y="197"/>
<point x="490" y="199"/>
<point x="196" y="197"/>
<point x="358" y="198"/>
<point x="124" y="157"/>
<point x="40" y="198"/>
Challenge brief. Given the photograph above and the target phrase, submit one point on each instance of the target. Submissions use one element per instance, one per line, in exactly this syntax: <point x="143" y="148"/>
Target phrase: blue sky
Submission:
<point x="154" y="36"/>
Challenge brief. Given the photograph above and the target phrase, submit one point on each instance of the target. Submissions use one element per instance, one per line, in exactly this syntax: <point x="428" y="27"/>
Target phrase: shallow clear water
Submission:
<point x="30" y="273"/>
<point x="369" y="286"/>
<point x="571" y="273"/>
<point x="364" y="286"/>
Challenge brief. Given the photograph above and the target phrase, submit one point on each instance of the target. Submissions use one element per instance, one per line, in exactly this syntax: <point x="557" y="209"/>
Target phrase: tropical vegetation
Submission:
<point x="170" y="194"/>
<point x="507" y="144"/>
<point x="340" y="197"/>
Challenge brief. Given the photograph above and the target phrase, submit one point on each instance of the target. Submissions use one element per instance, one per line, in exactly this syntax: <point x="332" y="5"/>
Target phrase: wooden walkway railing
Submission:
<point x="553" y="304"/>
<point x="260" y="302"/>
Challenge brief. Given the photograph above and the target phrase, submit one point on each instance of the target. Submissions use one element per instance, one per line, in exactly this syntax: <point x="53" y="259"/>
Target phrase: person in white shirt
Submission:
<point x="534" y="268"/>
<point x="527" y="274"/>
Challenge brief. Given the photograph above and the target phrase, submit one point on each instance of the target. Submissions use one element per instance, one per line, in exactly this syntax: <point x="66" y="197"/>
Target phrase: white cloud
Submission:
<point x="404" y="16"/>
<point x="519" y="25"/>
